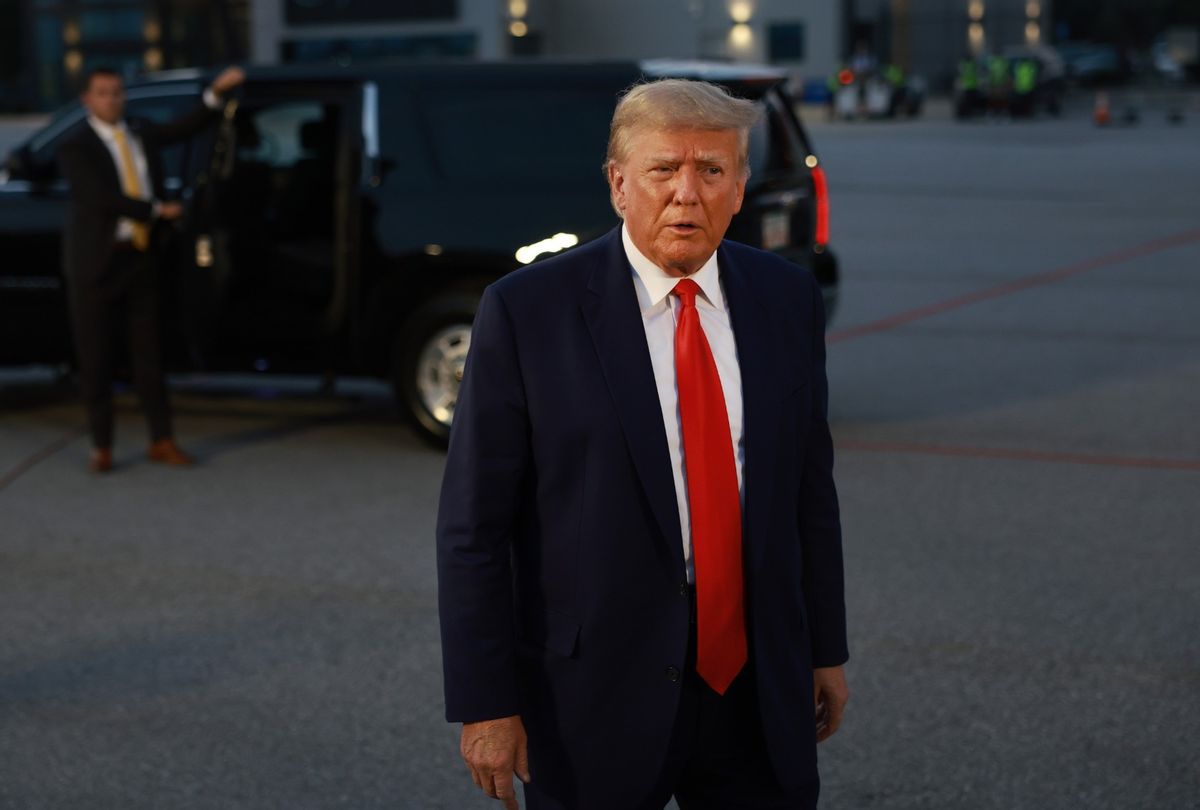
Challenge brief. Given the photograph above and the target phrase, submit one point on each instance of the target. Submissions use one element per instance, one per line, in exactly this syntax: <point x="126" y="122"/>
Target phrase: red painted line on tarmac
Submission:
<point x="37" y="458"/>
<point x="1018" y="454"/>
<point x="1017" y="285"/>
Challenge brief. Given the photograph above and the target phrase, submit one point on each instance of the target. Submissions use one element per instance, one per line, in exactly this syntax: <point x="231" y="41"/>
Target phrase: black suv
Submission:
<point x="345" y="222"/>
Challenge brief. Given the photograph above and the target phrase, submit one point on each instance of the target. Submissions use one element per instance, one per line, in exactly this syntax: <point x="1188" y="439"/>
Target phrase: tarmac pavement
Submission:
<point x="1015" y="378"/>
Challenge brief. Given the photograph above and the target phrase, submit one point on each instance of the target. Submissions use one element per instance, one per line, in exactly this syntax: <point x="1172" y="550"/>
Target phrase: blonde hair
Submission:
<point x="668" y="104"/>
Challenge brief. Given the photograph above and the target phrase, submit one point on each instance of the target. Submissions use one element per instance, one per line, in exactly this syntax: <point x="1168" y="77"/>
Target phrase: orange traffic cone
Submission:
<point x="1101" y="114"/>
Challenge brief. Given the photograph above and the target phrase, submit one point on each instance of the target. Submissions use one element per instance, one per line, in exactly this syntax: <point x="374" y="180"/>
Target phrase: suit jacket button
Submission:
<point x="683" y="590"/>
<point x="672" y="674"/>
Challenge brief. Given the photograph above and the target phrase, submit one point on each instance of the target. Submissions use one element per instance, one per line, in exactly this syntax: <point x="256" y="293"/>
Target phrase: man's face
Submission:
<point x="105" y="98"/>
<point x="678" y="190"/>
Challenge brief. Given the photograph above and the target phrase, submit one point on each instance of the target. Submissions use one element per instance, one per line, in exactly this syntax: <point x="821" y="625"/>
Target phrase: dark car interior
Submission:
<point x="272" y="204"/>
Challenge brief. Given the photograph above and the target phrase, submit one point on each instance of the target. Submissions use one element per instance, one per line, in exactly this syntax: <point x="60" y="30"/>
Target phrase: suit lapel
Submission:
<point x="760" y="389"/>
<point x="611" y="311"/>
<point x="102" y="157"/>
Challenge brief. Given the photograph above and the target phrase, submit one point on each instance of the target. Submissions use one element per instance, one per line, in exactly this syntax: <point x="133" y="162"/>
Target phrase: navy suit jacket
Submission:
<point x="561" y="574"/>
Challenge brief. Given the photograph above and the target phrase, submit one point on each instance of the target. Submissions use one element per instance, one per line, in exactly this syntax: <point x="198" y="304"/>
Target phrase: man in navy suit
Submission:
<point x="639" y="548"/>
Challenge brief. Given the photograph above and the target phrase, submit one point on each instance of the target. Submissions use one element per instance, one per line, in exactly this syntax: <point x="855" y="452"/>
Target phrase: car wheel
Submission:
<point x="429" y="356"/>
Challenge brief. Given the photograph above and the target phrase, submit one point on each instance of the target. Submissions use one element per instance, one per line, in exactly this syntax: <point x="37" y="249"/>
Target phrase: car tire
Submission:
<point x="428" y="357"/>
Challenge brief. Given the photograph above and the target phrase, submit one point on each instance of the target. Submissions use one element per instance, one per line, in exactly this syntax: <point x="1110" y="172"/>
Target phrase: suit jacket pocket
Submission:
<point x="552" y="631"/>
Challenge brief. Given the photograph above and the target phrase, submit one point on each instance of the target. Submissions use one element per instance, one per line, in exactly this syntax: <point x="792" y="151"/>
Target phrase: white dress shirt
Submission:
<point x="105" y="131"/>
<point x="659" y="314"/>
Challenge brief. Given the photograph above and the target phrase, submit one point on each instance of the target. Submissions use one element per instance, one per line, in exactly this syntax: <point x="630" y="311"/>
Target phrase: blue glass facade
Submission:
<point x="62" y="39"/>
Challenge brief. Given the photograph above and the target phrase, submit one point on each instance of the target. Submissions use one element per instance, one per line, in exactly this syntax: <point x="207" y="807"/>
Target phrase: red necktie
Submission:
<point x="713" y="501"/>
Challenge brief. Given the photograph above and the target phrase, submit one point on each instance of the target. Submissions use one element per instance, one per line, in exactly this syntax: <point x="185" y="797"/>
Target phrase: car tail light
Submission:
<point x="821" y="190"/>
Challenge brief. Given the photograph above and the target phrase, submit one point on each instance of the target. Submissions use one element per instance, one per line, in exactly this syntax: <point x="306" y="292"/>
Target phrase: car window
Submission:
<point x="526" y="136"/>
<point x="760" y="149"/>
<point x="162" y="109"/>
<point x="773" y="146"/>
<point x="44" y="144"/>
<point x="284" y="177"/>
<point x="274" y="135"/>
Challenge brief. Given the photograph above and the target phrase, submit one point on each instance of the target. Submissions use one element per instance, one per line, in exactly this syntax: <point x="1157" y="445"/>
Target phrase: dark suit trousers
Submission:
<point x="124" y="301"/>
<point x="718" y="758"/>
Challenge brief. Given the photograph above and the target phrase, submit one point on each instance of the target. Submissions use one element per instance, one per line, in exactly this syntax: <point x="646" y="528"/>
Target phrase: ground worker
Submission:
<point x="969" y="100"/>
<point x="894" y="76"/>
<point x="846" y="96"/>
<point x="1025" y="74"/>
<point x="997" y="85"/>
<point x="833" y="84"/>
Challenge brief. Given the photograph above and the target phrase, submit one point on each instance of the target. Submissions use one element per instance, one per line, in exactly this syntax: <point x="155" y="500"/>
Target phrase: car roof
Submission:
<point x="712" y="71"/>
<point x="735" y="73"/>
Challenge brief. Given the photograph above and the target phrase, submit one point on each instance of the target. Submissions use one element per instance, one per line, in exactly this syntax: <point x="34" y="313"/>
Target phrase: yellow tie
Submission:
<point x="132" y="186"/>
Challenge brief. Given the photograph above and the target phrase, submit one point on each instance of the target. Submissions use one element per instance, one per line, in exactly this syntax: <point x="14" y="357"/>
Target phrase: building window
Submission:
<point x="112" y="25"/>
<point x="305" y="12"/>
<point x="132" y="36"/>
<point x="785" y="42"/>
<point x="357" y="51"/>
<point x="51" y="61"/>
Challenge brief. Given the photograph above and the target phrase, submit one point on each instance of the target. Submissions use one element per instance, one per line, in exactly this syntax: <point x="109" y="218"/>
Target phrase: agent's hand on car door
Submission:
<point x="228" y="79"/>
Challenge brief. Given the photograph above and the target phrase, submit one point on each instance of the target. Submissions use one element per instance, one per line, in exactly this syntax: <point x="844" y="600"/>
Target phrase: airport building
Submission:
<point x="801" y="36"/>
<point x="45" y="45"/>
<point x="810" y="39"/>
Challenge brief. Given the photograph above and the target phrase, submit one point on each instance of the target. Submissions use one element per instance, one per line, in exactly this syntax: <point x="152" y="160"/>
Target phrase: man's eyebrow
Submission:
<point x="712" y="157"/>
<point x="719" y="158"/>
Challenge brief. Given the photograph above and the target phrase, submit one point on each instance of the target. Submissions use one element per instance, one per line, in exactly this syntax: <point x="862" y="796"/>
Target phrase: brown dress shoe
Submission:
<point x="101" y="460"/>
<point x="165" y="451"/>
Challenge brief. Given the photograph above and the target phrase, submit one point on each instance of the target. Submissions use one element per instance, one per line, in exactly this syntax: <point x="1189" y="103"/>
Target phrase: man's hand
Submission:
<point x="493" y="751"/>
<point x="830" y="694"/>
<point x="170" y="210"/>
<point x="228" y="79"/>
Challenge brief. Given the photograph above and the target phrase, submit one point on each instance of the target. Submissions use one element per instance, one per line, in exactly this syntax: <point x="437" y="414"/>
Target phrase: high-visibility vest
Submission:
<point x="968" y="75"/>
<point x="1025" y="76"/>
<point x="998" y="70"/>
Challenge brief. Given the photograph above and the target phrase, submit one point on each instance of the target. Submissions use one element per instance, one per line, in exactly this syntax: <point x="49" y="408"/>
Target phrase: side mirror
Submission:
<point x="17" y="163"/>
<point x="21" y="165"/>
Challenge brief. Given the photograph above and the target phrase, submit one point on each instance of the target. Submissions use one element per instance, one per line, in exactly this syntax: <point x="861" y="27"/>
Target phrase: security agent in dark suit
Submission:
<point x="639" y="547"/>
<point x="114" y="170"/>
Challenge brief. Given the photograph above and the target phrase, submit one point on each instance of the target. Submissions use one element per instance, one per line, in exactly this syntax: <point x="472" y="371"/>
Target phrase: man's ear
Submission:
<point x="616" y="185"/>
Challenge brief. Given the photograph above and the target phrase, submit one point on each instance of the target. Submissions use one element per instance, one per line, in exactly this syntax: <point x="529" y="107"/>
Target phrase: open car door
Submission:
<point x="271" y="232"/>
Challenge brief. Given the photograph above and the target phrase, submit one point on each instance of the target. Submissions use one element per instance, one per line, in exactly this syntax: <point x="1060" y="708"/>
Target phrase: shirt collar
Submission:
<point x="105" y="130"/>
<point x="659" y="285"/>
